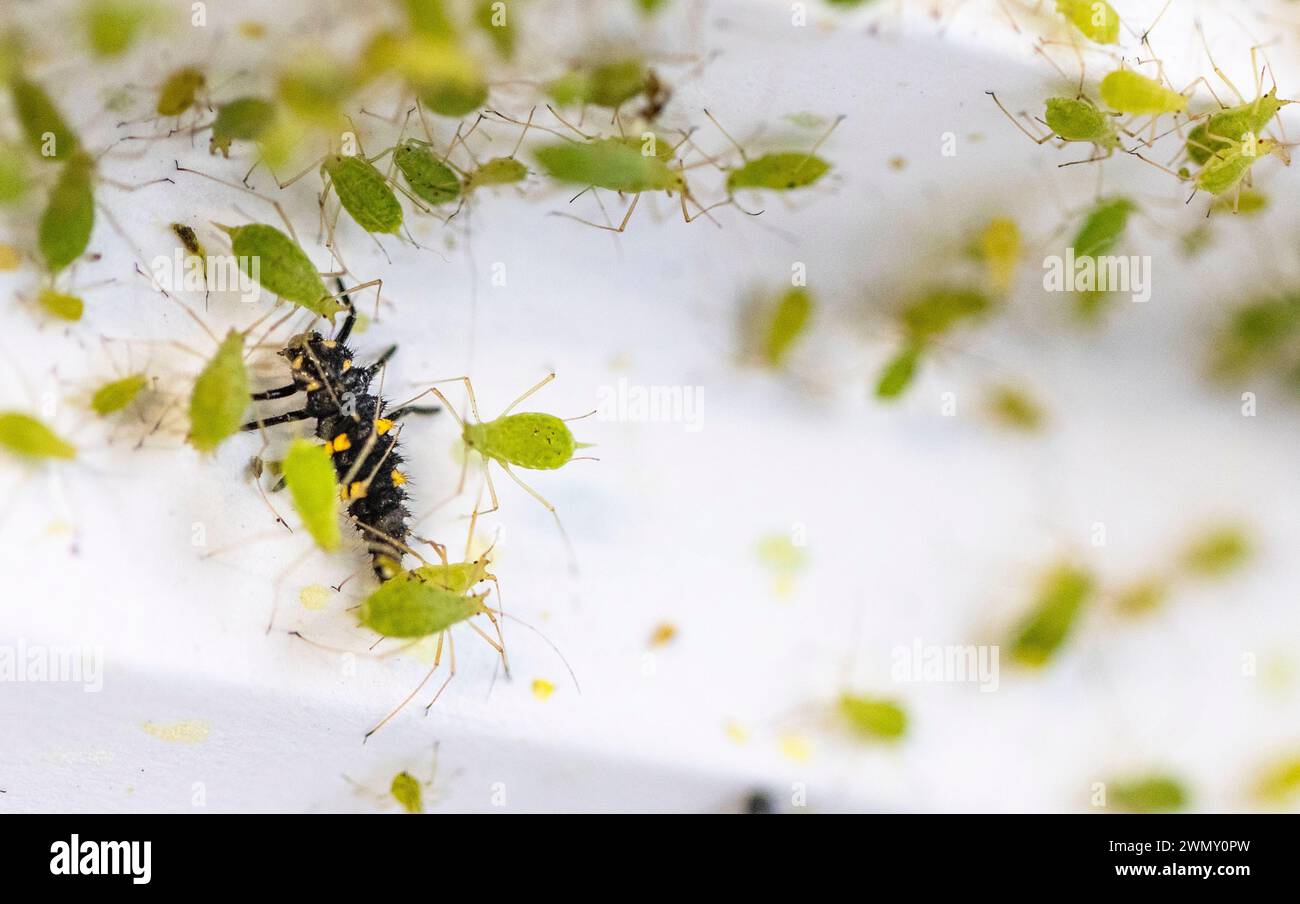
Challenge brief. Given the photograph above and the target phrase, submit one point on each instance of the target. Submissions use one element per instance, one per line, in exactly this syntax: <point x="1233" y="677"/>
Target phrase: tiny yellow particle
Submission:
<point x="796" y="747"/>
<point x="252" y="30"/>
<point x="542" y="689"/>
<point x="357" y="490"/>
<point x="341" y="442"/>
<point x="191" y="731"/>
<point x="662" y="634"/>
<point x="383" y="425"/>
<point x="10" y="257"/>
<point x="398" y="478"/>
<point x="736" y="733"/>
<point x="347" y="364"/>
<point x="312" y="386"/>
<point x="314" y="596"/>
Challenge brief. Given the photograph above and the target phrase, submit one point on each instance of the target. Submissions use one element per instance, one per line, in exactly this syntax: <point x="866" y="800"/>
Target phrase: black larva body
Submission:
<point x="361" y="439"/>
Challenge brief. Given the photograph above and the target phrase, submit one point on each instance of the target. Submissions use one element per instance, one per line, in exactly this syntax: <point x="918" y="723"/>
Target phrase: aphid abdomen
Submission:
<point x="531" y="439"/>
<point x="364" y="194"/>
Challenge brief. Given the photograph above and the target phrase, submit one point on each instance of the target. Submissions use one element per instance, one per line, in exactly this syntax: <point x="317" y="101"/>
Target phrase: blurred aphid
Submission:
<point x="429" y="17"/>
<point x="242" y="119"/>
<point x="1101" y="230"/>
<point x="924" y="319"/>
<point x="406" y="791"/>
<point x="1279" y="782"/>
<point x="494" y="18"/>
<point x="115" y="395"/>
<point x="283" y="267"/>
<point x="1142" y="597"/>
<point x="220" y="396"/>
<point x="314" y="90"/>
<point x="1217" y="552"/>
<point x="180" y="91"/>
<point x="1132" y="93"/>
<point x="60" y="305"/>
<point x="778" y="170"/>
<point x="1147" y="794"/>
<point x="875" y="718"/>
<point x="314" y="597"/>
<point x="788" y="320"/>
<point x="609" y="84"/>
<point x="1248" y="201"/>
<point x="1061" y="595"/>
<point x="14" y="175"/>
<point x="497" y="171"/>
<point x="898" y="372"/>
<point x="616" y="164"/>
<point x="1096" y="20"/>
<point x="48" y="134"/>
<point x="29" y="438"/>
<point x="445" y="78"/>
<point x="113" y="26"/>
<point x="784" y="559"/>
<point x="1015" y="408"/>
<point x="999" y="247"/>
<point x="69" y="216"/>
<point x="1259" y="334"/>
<point x="313" y="484"/>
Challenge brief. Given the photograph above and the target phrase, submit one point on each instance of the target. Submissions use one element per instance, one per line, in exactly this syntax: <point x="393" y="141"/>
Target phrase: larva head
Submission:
<point x="1074" y="119"/>
<point x="530" y="439"/>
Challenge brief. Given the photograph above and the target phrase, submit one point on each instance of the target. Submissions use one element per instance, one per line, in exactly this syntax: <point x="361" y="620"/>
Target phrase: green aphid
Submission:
<point x="939" y="310"/>
<point x="28" y="438"/>
<point x="1258" y="334"/>
<point x="1102" y="228"/>
<point x="116" y="395"/>
<point x="1229" y="165"/>
<point x="608" y="163"/>
<point x="60" y="305"/>
<point x="497" y="171"/>
<point x="1074" y="119"/>
<point x="409" y="606"/>
<point x="113" y="26"/>
<point x="1061" y="597"/>
<point x="69" y="216"/>
<point x="1279" y="782"/>
<point x="406" y="791"/>
<point x="454" y="97"/>
<point x="898" y="372"/>
<point x="429" y="17"/>
<point x="610" y="84"/>
<point x="1246" y="202"/>
<point x="790" y="319"/>
<point x="1218" y="551"/>
<point x="1230" y="125"/>
<point x="243" y="119"/>
<point x="1142" y="597"/>
<point x="1147" y="794"/>
<point x="364" y="193"/>
<point x="48" y="133"/>
<point x="283" y="268"/>
<point x="1129" y="92"/>
<point x="428" y="178"/>
<point x="999" y="246"/>
<point x="14" y="176"/>
<point x="782" y="171"/>
<point x="315" y="91"/>
<point x="1096" y="19"/>
<point x="221" y="395"/>
<point x="1015" y="408"/>
<point x="875" y="718"/>
<point x="494" y="19"/>
<point x="313" y="485"/>
<point x="180" y="91"/>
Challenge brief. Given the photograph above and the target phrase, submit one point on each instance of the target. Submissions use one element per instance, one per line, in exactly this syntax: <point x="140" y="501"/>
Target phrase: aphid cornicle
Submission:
<point x="360" y="436"/>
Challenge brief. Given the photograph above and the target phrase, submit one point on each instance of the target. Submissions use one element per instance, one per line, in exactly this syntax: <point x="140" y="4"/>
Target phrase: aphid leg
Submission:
<point x="284" y="217"/>
<point x="437" y="661"/>
<point x="1015" y="122"/>
<point x="451" y="673"/>
<point x="1215" y="66"/>
<point x="125" y="186"/>
<point x="619" y="228"/>
<point x="536" y="495"/>
<point x="726" y="134"/>
<point x="491" y="487"/>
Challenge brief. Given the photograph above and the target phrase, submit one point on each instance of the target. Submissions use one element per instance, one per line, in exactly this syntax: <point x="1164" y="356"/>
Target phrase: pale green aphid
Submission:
<point x="609" y="163"/>
<point x="789" y="320"/>
<point x="60" y="305"/>
<point x="898" y="372"/>
<point x="114" y="25"/>
<point x="1218" y="551"/>
<point x="221" y="395"/>
<point x="115" y="395"/>
<point x="69" y="216"/>
<point x="1261" y="333"/>
<point x="1103" y="227"/>
<point x="610" y="84"/>
<point x="406" y="791"/>
<point x="1074" y="119"/>
<point x="363" y="192"/>
<point x="14" y="176"/>
<point x="1095" y="19"/>
<point x="496" y="20"/>
<point x="28" y="438"/>
<point x="1015" y="408"/>
<point x="454" y="98"/>
<point x="180" y="90"/>
<point x="409" y="606"/>
<point x="1228" y="166"/>
<point x="1232" y="124"/>
<point x="1061" y="596"/>
<point x="283" y="269"/>
<point x="428" y="178"/>
<point x="1130" y="92"/>
<point x="313" y="485"/>
<point x="926" y="318"/>
<point x="881" y="719"/>
<point x="779" y="170"/>
<point x="1279" y="782"/>
<point x="243" y="119"/>
<point x="315" y="89"/>
<point x="1147" y="794"/>
<point x="48" y="133"/>
<point x="497" y="171"/>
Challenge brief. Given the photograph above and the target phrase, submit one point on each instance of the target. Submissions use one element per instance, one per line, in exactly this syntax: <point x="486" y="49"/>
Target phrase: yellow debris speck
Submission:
<point x="10" y="257"/>
<point x="190" y="731"/>
<point x="662" y="634"/>
<point x="795" y="747"/>
<point x="252" y="30"/>
<point x="736" y="733"/>
<point x="542" y="689"/>
<point x="314" y="596"/>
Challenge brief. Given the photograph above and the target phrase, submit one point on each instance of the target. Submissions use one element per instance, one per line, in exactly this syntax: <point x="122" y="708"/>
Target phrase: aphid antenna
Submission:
<point x="569" y="125"/>
<point x="556" y="132"/>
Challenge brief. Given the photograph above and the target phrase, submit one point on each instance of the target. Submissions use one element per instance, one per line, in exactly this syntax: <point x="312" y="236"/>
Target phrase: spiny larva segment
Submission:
<point x="530" y="439"/>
